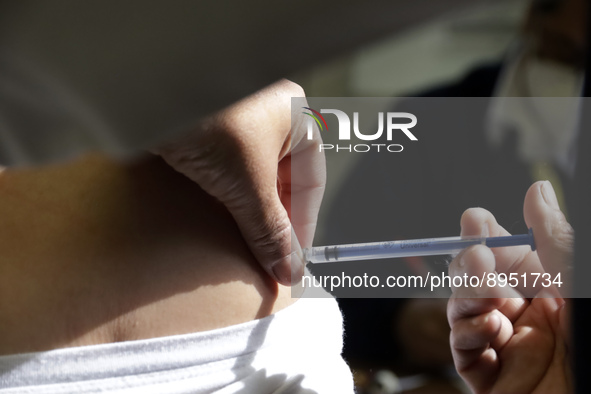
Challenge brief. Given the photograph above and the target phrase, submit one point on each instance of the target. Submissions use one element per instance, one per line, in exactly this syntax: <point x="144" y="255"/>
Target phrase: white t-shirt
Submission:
<point x="297" y="350"/>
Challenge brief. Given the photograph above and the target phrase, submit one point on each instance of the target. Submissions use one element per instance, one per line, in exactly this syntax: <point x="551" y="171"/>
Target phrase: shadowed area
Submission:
<point x="97" y="252"/>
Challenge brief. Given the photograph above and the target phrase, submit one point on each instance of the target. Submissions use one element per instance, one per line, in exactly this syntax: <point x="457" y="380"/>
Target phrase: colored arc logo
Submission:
<point x="315" y="115"/>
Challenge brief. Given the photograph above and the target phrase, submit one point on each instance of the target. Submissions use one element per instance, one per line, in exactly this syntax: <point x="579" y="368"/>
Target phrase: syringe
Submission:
<point x="411" y="247"/>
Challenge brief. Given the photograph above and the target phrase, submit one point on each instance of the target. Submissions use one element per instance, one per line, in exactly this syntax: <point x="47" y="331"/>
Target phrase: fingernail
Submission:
<point x="297" y="259"/>
<point x="282" y="272"/>
<point x="484" y="230"/>
<point x="297" y="268"/>
<point x="289" y="271"/>
<point x="549" y="195"/>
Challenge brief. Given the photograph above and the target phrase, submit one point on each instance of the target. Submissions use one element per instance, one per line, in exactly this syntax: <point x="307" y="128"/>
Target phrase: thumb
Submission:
<point x="247" y="186"/>
<point x="553" y="235"/>
<point x="266" y="228"/>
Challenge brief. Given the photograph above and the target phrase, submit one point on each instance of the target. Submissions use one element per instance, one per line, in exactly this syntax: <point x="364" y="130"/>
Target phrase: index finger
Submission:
<point x="518" y="259"/>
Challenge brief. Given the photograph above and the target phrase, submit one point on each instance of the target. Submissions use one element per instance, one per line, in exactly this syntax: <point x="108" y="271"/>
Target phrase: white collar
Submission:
<point x="539" y="101"/>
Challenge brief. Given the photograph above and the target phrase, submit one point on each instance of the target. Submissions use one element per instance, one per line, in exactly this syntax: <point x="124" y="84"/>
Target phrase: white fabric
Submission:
<point x="297" y="350"/>
<point x="539" y="101"/>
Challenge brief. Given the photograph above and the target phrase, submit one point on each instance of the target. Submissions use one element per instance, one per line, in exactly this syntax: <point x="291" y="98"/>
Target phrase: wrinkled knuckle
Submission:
<point x="565" y="242"/>
<point x="200" y="158"/>
<point x="561" y="233"/>
<point x="453" y="337"/>
<point x="567" y="238"/>
<point x="209" y="165"/>
<point x="274" y="241"/>
<point x="452" y="306"/>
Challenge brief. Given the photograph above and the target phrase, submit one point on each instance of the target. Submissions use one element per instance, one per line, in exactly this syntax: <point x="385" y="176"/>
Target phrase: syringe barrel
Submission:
<point x="391" y="249"/>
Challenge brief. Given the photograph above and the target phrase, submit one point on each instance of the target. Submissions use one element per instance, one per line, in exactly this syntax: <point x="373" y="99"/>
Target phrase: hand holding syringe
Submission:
<point x="414" y="247"/>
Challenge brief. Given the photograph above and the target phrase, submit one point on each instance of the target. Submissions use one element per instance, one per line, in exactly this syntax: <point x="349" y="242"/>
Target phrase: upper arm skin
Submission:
<point x="96" y="252"/>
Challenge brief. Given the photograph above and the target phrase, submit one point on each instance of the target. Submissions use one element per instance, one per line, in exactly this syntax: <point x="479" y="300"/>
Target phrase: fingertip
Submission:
<point x="494" y="321"/>
<point x="541" y="206"/>
<point x="488" y="324"/>
<point x="478" y="259"/>
<point x="476" y="332"/>
<point x="289" y="270"/>
<point x="540" y="202"/>
<point x="478" y="221"/>
<point x="460" y="308"/>
<point x="281" y="272"/>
